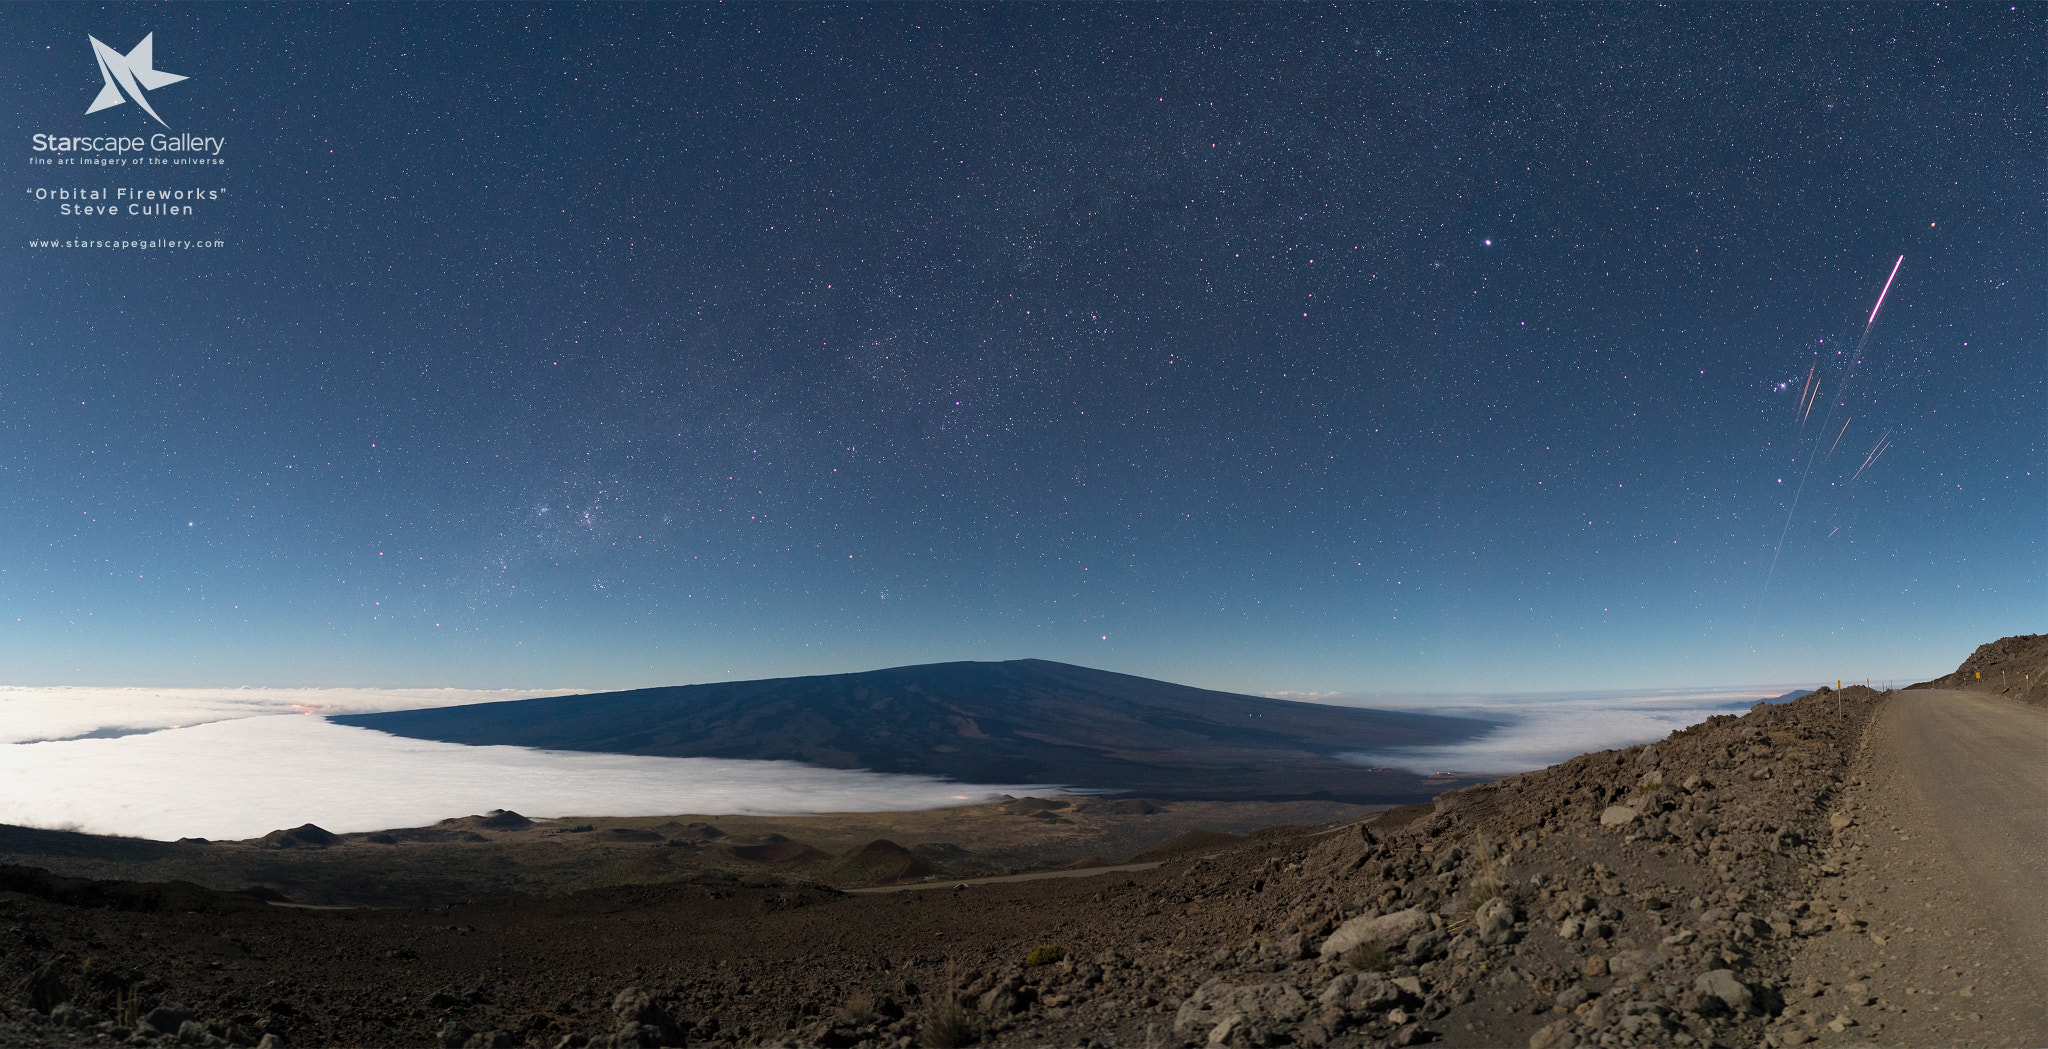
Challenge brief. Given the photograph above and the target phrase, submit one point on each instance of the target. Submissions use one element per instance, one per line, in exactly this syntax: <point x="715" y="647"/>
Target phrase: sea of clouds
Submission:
<point x="236" y="763"/>
<point x="1537" y="730"/>
<point x="239" y="763"/>
<point x="31" y="714"/>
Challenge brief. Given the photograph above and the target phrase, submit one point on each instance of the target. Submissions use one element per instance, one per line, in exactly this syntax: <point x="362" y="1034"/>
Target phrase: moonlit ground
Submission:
<point x="241" y="769"/>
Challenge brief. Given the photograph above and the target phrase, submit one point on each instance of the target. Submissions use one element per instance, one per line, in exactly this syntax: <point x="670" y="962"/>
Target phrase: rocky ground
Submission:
<point x="2016" y="667"/>
<point x="505" y="854"/>
<point x="1655" y="895"/>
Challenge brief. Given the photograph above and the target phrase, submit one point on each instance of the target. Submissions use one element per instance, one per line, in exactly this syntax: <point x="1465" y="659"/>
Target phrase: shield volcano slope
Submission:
<point x="1021" y="721"/>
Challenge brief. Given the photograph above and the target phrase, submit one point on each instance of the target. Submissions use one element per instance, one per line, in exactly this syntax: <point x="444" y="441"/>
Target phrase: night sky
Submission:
<point x="1319" y="349"/>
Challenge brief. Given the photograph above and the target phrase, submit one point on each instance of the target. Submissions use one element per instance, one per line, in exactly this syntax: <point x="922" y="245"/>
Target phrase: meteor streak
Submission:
<point x="1838" y="437"/>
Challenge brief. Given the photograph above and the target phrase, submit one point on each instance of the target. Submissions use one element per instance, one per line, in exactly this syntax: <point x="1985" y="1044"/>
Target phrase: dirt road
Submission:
<point x="1979" y="764"/>
<point x="951" y="883"/>
<point x="1941" y="915"/>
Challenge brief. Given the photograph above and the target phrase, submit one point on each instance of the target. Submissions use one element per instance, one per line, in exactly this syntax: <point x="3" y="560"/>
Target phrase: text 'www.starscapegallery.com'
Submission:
<point x="171" y="245"/>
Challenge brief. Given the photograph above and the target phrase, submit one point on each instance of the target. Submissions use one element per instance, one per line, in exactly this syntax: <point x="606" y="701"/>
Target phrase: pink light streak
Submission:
<point x="1881" y="294"/>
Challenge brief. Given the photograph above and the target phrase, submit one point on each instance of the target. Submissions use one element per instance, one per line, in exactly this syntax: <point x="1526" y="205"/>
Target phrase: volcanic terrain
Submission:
<point x="1023" y="721"/>
<point x="1852" y="867"/>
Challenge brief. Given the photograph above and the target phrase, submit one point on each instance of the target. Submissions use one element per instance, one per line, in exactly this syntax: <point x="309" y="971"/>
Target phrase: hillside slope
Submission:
<point x="2010" y="666"/>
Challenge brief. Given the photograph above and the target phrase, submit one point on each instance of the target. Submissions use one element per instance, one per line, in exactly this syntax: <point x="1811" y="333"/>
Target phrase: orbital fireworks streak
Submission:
<point x="1883" y="445"/>
<point x="1809" y="398"/>
<point x="1881" y="294"/>
<point x="1838" y="436"/>
<point x="1807" y="391"/>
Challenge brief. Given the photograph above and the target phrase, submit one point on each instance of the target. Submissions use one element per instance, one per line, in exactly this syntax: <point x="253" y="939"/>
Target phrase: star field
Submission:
<point x="1309" y="348"/>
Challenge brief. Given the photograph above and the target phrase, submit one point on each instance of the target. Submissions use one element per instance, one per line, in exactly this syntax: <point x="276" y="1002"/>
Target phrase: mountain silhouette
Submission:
<point x="1020" y="721"/>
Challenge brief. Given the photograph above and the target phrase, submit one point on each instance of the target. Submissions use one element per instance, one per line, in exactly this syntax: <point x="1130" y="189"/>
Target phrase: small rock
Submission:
<point x="1412" y="1034"/>
<point x="1572" y="903"/>
<point x="1594" y="965"/>
<point x="1841" y="821"/>
<point x="1229" y="1025"/>
<point x="454" y="1035"/>
<point x="1618" y="816"/>
<point x="642" y="1021"/>
<point x="1552" y="1036"/>
<point x="168" y="1017"/>
<point x="1289" y="948"/>
<point x="1629" y="963"/>
<point x="1360" y="993"/>
<point x="1840" y="1023"/>
<point x="1008" y="998"/>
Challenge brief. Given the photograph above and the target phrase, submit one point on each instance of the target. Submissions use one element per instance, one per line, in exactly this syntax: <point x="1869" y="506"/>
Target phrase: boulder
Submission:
<point x="1361" y="993"/>
<point x="642" y="1020"/>
<point x="1259" y="1004"/>
<point x="1722" y="985"/>
<point x="167" y="1018"/>
<point x="1618" y="816"/>
<point x="1495" y="922"/>
<point x="1389" y="930"/>
<point x="1630" y="963"/>
<point x="1291" y="947"/>
<point x="1008" y="998"/>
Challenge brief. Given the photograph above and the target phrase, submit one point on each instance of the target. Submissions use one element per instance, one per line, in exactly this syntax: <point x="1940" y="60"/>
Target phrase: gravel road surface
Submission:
<point x="1946" y="874"/>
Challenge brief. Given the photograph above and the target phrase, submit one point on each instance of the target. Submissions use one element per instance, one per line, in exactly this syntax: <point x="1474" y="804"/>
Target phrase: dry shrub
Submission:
<point x="1487" y="886"/>
<point x="1369" y="957"/>
<point x="1486" y="848"/>
<point x="946" y="1024"/>
<point x="859" y="1009"/>
<point x="1045" y="955"/>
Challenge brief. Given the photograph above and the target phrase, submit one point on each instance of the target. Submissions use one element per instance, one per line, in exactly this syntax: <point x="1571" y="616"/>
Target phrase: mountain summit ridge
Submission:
<point x="1016" y="721"/>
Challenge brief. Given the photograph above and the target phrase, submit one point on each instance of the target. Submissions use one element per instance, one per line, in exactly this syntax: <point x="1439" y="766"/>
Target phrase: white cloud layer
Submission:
<point x="1538" y="731"/>
<point x="238" y="763"/>
<point x="32" y="713"/>
<point x="245" y="777"/>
